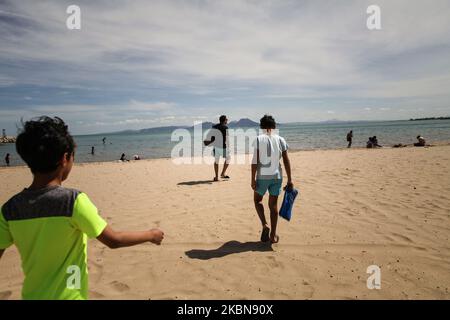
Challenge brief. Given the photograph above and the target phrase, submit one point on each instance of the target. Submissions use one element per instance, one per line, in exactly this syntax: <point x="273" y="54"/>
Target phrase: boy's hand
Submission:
<point x="156" y="236"/>
<point x="289" y="185"/>
<point x="253" y="184"/>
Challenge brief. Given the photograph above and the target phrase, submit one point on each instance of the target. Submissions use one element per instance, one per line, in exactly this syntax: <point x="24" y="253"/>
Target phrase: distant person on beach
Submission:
<point x="136" y="157"/>
<point x="349" y="138"/>
<point x="7" y="158"/>
<point x="50" y="224"/>
<point x="123" y="158"/>
<point x="221" y="149"/>
<point x="373" y="143"/>
<point x="92" y="150"/>
<point x="104" y="140"/>
<point x="267" y="175"/>
<point x="421" y="141"/>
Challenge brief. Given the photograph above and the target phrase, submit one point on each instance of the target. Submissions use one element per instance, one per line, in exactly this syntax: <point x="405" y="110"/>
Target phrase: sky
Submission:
<point x="139" y="64"/>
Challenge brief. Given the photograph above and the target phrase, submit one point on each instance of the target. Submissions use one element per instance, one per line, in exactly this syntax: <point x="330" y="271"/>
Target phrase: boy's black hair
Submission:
<point x="42" y="142"/>
<point x="222" y="118"/>
<point x="267" y="122"/>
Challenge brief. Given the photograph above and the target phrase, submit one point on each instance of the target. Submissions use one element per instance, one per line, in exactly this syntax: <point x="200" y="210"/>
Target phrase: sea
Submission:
<point x="299" y="136"/>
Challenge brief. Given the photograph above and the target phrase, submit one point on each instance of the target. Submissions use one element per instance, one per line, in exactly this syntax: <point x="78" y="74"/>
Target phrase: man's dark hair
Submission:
<point x="267" y="122"/>
<point x="222" y="118"/>
<point x="42" y="142"/>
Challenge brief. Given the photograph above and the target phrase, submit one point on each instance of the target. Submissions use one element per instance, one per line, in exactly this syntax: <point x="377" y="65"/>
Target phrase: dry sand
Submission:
<point x="388" y="207"/>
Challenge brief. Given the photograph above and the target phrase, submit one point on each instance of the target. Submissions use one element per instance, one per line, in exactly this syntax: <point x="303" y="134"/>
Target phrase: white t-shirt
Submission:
<point x="270" y="149"/>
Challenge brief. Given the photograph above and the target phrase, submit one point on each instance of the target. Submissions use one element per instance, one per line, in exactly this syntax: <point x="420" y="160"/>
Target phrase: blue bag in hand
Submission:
<point x="288" y="203"/>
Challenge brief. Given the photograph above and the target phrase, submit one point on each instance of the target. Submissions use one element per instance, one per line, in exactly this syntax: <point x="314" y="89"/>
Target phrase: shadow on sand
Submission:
<point x="194" y="183"/>
<point x="228" y="248"/>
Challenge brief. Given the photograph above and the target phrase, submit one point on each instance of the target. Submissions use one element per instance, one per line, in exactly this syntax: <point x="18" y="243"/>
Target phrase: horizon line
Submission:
<point x="185" y="126"/>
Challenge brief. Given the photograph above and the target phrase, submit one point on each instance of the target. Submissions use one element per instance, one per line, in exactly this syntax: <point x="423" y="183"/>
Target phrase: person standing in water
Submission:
<point x="267" y="175"/>
<point x="104" y="140"/>
<point x="7" y="158"/>
<point x="92" y="150"/>
<point x="350" y="138"/>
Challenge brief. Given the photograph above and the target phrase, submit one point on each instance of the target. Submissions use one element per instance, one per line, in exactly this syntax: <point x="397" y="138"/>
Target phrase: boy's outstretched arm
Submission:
<point x="287" y="166"/>
<point x="115" y="239"/>
<point x="255" y="162"/>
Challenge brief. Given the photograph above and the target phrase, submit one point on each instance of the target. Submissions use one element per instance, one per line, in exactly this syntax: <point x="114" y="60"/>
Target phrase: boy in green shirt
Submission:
<point x="50" y="224"/>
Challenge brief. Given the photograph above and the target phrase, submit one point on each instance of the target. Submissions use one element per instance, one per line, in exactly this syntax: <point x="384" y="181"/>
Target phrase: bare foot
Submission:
<point x="274" y="239"/>
<point x="265" y="234"/>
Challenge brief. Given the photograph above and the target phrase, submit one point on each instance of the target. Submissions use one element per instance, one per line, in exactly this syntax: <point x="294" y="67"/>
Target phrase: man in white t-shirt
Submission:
<point x="267" y="175"/>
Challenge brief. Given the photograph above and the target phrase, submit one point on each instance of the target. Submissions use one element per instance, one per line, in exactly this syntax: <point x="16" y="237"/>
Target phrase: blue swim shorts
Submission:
<point x="273" y="185"/>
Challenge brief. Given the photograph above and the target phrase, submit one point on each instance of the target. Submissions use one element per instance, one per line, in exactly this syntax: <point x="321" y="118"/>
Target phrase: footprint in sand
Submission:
<point x="273" y="263"/>
<point x="119" y="286"/>
<point x="95" y="295"/>
<point x="306" y="291"/>
<point x="4" y="295"/>
<point x="402" y="237"/>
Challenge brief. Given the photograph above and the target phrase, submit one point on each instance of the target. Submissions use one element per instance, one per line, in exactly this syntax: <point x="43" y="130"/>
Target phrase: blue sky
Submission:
<point x="138" y="64"/>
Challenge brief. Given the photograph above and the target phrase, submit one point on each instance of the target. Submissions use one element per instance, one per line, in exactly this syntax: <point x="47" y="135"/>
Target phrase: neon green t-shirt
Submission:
<point x="50" y="228"/>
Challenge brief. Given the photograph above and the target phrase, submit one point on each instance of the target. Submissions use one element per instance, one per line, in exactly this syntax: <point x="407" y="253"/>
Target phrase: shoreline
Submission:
<point x="436" y="144"/>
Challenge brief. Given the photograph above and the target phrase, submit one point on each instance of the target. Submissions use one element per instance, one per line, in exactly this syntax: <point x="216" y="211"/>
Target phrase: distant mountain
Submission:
<point x="205" y="125"/>
<point x="242" y="123"/>
<point x="147" y="130"/>
<point x="431" y="118"/>
<point x="161" y="129"/>
<point x="331" y="121"/>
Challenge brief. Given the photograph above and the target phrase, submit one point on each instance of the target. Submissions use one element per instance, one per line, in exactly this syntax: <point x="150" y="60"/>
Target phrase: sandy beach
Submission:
<point x="385" y="207"/>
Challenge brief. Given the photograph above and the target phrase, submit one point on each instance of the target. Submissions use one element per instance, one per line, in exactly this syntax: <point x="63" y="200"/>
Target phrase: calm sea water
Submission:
<point x="298" y="135"/>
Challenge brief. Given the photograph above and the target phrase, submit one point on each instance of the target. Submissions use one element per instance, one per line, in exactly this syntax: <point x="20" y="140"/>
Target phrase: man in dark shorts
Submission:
<point x="350" y="138"/>
<point x="7" y="159"/>
<point x="220" y="146"/>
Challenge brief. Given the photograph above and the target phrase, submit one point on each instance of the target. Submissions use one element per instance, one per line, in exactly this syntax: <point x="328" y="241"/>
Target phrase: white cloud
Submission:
<point x="144" y="106"/>
<point x="278" y="43"/>
<point x="244" y="57"/>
